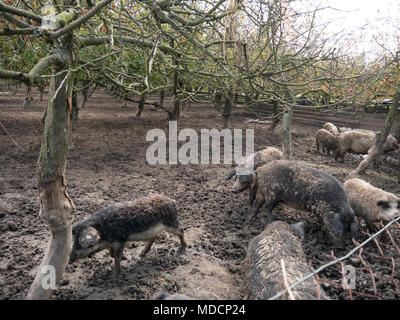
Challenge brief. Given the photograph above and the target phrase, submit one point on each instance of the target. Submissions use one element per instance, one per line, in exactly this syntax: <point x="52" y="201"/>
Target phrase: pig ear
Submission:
<point x="229" y="177"/>
<point x="88" y="237"/>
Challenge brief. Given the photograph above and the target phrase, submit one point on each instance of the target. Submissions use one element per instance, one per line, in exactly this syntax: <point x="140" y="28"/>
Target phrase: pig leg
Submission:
<point x="179" y="233"/>
<point x="252" y="196"/>
<point x="117" y="255"/>
<point x="257" y="205"/>
<point x="147" y="247"/>
<point x="111" y="251"/>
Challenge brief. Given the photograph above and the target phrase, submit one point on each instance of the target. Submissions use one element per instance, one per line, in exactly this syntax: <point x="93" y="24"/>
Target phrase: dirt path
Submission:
<point x="107" y="164"/>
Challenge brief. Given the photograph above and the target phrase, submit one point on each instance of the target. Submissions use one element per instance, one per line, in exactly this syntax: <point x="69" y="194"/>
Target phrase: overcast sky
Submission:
<point x="357" y="13"/>
<point x="376" y="17"/>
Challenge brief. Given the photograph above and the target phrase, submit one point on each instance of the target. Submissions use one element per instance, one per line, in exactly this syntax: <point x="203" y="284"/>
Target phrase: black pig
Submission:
<point x="112" y="227"/>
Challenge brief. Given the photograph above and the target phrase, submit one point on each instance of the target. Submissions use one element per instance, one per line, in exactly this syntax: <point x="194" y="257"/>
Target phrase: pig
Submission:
<point x="360" y="142"/>
<point x="370" y="203"/>
<point x="264" y="270"/>
<point x="243" y="172"/>
<point x="331" y="128"/>
<point x="305" y="188"/>
<point x="139" y="220"/>
<point x="326" y="140"/>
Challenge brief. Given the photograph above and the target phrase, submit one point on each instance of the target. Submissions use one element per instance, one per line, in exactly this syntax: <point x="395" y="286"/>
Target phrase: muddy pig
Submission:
<point x="112" y="227"/>
<point x="305" y="188"/>
<point x="244" y="171"/>
<point x="264" y="269"/>
<point x="327" y="141"/>
<point x="371" y="203"/>
<point x="360" y="142"/>
<point x="331" y="128"/>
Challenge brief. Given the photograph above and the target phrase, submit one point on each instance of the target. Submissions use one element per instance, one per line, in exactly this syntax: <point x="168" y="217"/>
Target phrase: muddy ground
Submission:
<point x="107" y="164"/>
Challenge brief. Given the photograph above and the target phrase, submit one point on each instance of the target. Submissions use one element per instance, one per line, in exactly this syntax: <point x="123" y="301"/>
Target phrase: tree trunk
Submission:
<point x="378" y="147"/>
<point x="84" y="97"/>
<point x="75" y="108"/>
<point x="397" y="134"/>
<point x="28" y="97"/>
<point x="275" y="120"/>
<point x="139" y="111"/>
<point x="217" y="100"/>
<point x="286" y="133"/>
<point x="177" y="109"/>
<point x="57" y="208"/>
<point x="176" y="90"/>
<point x="41" y="91"/>
<point x="188" y="101"/>
<point x="162" y="96"/>
<point x="227" y="112"/>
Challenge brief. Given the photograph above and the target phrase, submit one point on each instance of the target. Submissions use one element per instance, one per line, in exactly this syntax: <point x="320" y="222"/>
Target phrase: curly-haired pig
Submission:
<point x="244" y="171"/>
<point x="112" y="227"/>
<point x="331" y="128"/>
<point x="327" y="141"/>
<point x="360" y="142"/>
<point x="263" y="265"/>
<point x="371" y="203"/>
<point x="305" y="188"/>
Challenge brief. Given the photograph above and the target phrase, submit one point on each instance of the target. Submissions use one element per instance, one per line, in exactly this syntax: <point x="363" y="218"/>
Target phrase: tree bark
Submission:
<point x="397" y="134"/>
<point x="28" y="97"/>
<point x="84" y="97"/>
<point x="378" y="147"/>
<point x="75" y="107"/>
<point x="275" y="120"/>
<point x="139" y="111"/>
<point x="217" y="100"/>
<point x="41" y="91"/>
<point x="286" y="133"/>
<point x="176" y="90"/>
<point x="56" y="207"/>
<point x="227" y="112"/>
<point x="162" y="97"/>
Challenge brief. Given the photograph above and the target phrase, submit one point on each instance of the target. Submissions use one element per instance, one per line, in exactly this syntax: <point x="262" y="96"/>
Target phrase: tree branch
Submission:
<point x="12" y="32"/>
<point x="17" y="22"/>
<point x="78" y="22"/>
<point x="20" y="12"/>
<point x="56" y="58"/>
<point x="14" y="75"/>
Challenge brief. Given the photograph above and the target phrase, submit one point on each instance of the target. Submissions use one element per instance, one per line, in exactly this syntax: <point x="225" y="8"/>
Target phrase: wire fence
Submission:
<point x="377" y="271"/>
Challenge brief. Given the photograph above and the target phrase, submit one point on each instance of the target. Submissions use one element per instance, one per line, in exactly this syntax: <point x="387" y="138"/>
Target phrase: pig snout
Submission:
<point x="236" y="189"/>
<point x="240" y="184"/>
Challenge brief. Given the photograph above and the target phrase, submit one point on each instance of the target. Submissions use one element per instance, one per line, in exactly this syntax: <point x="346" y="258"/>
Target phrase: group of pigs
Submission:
<point x="269" y="181"/>
<point x="355" y="141"/>
<point x="272" y="181"/>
